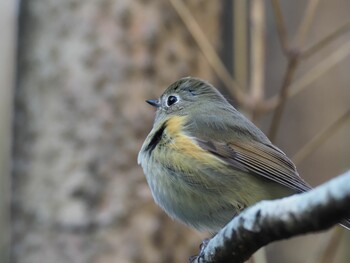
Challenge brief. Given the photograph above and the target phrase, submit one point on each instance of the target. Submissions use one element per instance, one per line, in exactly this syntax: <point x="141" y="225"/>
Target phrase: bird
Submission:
<point x="205" y="162"/>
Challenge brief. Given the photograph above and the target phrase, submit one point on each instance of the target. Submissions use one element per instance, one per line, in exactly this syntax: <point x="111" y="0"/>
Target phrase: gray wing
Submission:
<point x="259" y="159"/>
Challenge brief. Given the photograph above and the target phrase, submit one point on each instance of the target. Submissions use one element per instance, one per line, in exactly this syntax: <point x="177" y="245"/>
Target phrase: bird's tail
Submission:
<point x="345" y="223"/>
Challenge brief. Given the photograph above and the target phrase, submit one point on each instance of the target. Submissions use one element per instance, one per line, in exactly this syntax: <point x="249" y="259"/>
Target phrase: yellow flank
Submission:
<point x="174" y="125"/>
<point x="184" y="144"/>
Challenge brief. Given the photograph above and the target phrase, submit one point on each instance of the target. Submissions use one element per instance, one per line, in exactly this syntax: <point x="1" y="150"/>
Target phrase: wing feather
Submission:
<point x="258" y="159"/>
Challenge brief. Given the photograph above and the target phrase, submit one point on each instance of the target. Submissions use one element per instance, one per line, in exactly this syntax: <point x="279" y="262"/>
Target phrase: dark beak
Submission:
<point x="154" y="103"/>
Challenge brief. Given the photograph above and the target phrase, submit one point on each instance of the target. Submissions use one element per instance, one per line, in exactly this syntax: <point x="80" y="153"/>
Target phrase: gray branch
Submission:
<point x="268" y="221"/>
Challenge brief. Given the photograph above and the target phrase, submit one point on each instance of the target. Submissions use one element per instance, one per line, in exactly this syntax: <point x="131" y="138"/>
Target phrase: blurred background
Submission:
<point x="74" y="77"/>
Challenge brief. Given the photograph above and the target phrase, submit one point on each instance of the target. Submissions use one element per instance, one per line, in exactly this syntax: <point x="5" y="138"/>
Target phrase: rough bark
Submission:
<point x="85" y="69"/>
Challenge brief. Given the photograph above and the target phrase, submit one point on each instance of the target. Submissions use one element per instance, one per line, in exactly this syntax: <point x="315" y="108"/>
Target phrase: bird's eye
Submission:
<point x="171" y="100"/>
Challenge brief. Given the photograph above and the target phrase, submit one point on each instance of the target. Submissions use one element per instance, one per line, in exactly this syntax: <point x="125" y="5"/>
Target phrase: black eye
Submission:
<point x="171" y="100"/>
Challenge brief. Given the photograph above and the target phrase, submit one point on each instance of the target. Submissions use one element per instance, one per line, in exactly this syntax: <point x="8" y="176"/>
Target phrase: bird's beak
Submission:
<point x="154" y="103"/>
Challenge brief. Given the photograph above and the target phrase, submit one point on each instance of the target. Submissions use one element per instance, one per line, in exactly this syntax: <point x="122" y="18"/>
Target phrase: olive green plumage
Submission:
<point x="205" y="162"/>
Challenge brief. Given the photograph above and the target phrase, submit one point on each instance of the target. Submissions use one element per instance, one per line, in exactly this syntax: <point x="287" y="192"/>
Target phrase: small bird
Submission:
<point x="205" y="162"/>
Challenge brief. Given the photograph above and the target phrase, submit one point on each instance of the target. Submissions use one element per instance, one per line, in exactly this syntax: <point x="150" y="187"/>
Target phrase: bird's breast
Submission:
<point x="171" y="143"/>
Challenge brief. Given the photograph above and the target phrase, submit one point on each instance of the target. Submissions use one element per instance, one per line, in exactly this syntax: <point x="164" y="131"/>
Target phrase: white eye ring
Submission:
<point x="172" y="99"/>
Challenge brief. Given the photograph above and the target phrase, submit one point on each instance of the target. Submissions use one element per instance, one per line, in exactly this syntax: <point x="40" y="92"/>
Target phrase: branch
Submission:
<point x="281" y="26"/>
<point x="305" y="25"/>
<point x="320" y="138"/>
<point x="257" y="17"/>
<point x="320" y="69"/>
<point x="283" y="96"/>
<point x="208" y="50"/>
<point x="324" y="42"/>
<point x="269" y="221"/>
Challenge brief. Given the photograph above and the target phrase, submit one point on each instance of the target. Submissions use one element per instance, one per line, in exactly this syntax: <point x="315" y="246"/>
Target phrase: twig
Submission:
<point x="269" y="221"/>
<point x="207" y="50"/>
<point x="257" y="50"/>
<point x="241" y="42"/>
<point x="325" y="41"/>
<point x="281" y="28"/>
<point x="293" y="56"/>
<point x="314" y="73"/>
<point x="320" y="138"/>
<point x="292" y="65"/>
<point x="305" y="25"/>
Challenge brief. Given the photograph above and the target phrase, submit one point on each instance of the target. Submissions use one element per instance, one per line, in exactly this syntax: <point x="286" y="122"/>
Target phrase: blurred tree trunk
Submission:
<point x="8" y="31"/>
<point x="84" y="71"/>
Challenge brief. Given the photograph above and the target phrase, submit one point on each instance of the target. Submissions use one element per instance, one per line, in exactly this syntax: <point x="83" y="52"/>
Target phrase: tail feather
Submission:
<point x="345" y="223"/>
